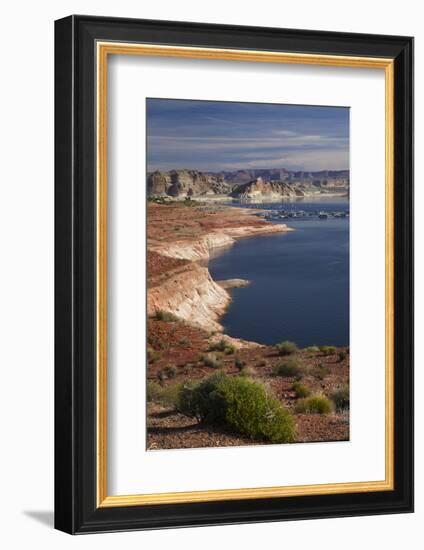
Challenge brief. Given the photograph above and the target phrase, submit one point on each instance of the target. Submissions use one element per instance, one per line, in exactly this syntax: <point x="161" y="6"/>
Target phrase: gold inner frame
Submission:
<point x="103" y="50"/>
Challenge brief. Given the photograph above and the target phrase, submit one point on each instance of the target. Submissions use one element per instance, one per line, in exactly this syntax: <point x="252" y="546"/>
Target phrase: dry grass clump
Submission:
<point x="286" y="348"/>
<point x="316" y="404"/>
<point x="301" y="390"/>
<point x="291" y="367"/>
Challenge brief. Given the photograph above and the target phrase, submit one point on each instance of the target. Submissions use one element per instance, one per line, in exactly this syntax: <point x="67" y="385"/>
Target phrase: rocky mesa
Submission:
<point x="262" y="190"/>
<point x="185" y="183"/>
<point x="264" y="184"/>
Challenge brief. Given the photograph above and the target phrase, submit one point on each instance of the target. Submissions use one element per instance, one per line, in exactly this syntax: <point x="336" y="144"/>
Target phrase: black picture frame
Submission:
<point x="76" y="510"/>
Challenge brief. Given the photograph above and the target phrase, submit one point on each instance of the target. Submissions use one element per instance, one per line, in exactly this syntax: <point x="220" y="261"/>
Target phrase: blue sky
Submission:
<point x="217" y="135"/>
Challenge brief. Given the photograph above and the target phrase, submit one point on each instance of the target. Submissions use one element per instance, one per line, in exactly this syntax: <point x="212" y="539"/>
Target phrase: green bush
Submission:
<point x="154" y="391"/>
<point x="327" y="350"/>
<point x="161" y="315"/>
<point x="312" y="349"/>
<point x="286" y="348"/>
<point x="340" y="397"/>
<point x="240" y="405"/>
<point x="211" y="360"/>
<point x="318" y="404"/>
<point x="292" y="366"/>
<point x="301" y="390"/>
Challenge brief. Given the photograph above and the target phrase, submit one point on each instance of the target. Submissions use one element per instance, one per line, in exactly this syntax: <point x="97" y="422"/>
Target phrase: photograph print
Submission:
<point x="247" y="274"/>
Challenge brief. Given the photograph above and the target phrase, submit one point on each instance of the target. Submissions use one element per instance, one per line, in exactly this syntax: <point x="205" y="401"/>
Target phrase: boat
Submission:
<point x="322" y="216"/>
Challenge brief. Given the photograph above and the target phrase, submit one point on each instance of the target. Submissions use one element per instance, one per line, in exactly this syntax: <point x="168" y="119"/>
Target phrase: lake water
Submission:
<point x="299" y="288"/>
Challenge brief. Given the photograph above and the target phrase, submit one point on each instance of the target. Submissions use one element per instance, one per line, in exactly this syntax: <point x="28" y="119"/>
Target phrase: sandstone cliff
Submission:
<point x="200" y="248"/>
<point x="260" y="184"/>
<point x="260" y="189"/>
<point x="192" y="295"/>
<point x="183" y="183"/>
<point x="158" y="184"/>
<point x="176" y="281"/>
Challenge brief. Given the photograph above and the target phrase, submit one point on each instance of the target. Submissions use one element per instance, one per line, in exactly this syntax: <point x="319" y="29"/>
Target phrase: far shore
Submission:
<point x="256" y="200"/>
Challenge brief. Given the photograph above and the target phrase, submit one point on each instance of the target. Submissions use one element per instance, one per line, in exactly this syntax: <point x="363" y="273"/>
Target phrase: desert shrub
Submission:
<point x="292" y="366"/>
<point x="211" y="360"/>
<point x="164" y="395"/>
<point x="321" y="371"/>
<point x="240" y="405"/>
<point x="247" y="371"/>
<point x="340" y="397"/>
<point x="170" y="395"/>
<point x="261" y="363"/>
<point x="187" y="368"/>
<point x="222" y="346"/>
<point x="239" y="363"/>
<point x="161" y="315"/>
<point x="154" y="342"/>
<point x="318" y="404"/>
<point x="153" y="391"/>
<point x="286" y="348"/>
<point x="229" y="349"/>
<point x="218" y="346"/>
<point x="168" y="372"/>
<point x="312" y="349"/>
<point x="301" y="390"/>
<point x="152" y="355"/>
<point x="342" y="356"/>
<point x="327" y="350"/>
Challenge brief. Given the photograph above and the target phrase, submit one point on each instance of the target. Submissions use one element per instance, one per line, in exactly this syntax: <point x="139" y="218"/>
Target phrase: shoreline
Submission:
<point x="227" y="200"/>
<point x="190" y="292"/>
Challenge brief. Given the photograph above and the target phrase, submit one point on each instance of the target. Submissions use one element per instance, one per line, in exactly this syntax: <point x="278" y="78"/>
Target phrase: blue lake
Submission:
<point x="299" y="281"/>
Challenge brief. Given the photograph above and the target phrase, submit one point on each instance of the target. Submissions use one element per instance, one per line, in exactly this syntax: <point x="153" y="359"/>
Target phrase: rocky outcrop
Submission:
<point x="194" y="250"/>
<point x="268" y="184"/>
<point x="220" y="187"/>
<point x="177" y="283"/>
<point x="192" y="295"/>
<point x="241" y="176"/>
<point x="185" y="183"/>
<point x="246" y="176"/>
<point x="158" y="184"/>
<point x="260" y="189"/>
<point x="233" y="283"/>
<point x="188" y="183"/>
<point x="200" y="248"/>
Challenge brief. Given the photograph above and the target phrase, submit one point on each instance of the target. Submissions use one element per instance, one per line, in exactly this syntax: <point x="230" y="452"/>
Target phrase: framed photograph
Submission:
<point x="233" y="274"/>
